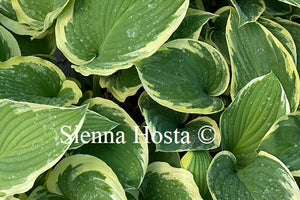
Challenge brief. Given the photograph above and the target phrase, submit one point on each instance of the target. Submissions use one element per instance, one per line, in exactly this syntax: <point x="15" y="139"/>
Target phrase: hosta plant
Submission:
<point x="149" y="99"/>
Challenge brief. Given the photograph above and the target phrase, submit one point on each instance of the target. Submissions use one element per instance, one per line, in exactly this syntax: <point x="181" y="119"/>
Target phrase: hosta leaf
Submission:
<point x="282" y="35"/>
<point x="192" y="24"/>
<point x="197" y="163"/>
<point x="7" y="10"/>
<point x="129" y="161"/>
<point x="294" y="30"/>
<point x="36" y="80"/>
<point x="85" y="177"/>
<point x="283" y="141"/>
<point x="265" y="178"/>
<point x="292" y="2"/>
<point x="255" y="51"/>
<point x="249" y="11"/>
<point x="38" y="15"/>
<point x="123" y="84"/>
<point x="167" y="122"/>
<point x="172" y="158"/>
<point x="163" y="182"/>
<point x="158" y="117"/>
<point x="196" y="72"/>
<point x="107" y="35"/>
<point x="217" y="33"/>
<point x="245" y="122"/>
<point x="37" y="47"/>
<point x="130" y="196"/>
<point x="31" y="142"/>
<point x="41" y="193"/>
<point x="275" y="7"/>
<point x="196" y="4"/>
<point x="92" y="122"/>
<point x="8" y="45"/>
<point x="210" y="139"/>
<point x="8" y="18"/>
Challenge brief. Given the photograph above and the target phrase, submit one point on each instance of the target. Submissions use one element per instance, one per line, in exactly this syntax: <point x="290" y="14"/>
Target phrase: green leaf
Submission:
<point x="122" y="84"/>
<point x="130" y="196"/>
<point x="292" y="2"/>
<point x="248" y="10"/>
<point x="283" y="141"/>
<point x="197" y="163"/>
<point x="38" y="15"/>
<point x="172" y="158"/>
<point x="294" y="29"/>
<point x="36" y="47"/>
<point x="255" y="51"/>
<point x="164" y="127"/>
<point x="248" y="118"/>
<point x="105" y="36"/>
<point x="93" y="122"/>
<point x="282" y="35"/>
<point x="41" y="193"/>
<point x="8" y="18"/>
<point x="216" y="35"/>
<point x="129" y="160"/>
<point x="275" y="7"/>
<point x="158" y="117"/>
<point x="265" y="178"/>
<point x="196" y="4"/>
<point x="197" y="74"/>
<point x="35" y="80"/>
<point x="31" y="141"/>
<point x="163" y="182"/>
<point x="8" y="45"/>
<point x="85" y="177"/>
<point x="192" y="24"/>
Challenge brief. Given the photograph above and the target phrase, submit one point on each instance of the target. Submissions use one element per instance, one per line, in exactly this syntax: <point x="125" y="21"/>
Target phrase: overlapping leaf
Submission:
<point x="94" y="123"/>
<point x="245" y="122"/>
<point x="249" y="11"/>
<point x="192" y="24"/>
<point x="8" y="45"/>
<point x="8" y="18"/>
<point x="283" y="141"/>
<point x="216" y="34"/>
<point x="173" y="184"/>
<point x="84" y="177"/>
<point x="197" y="163"/>
<point x="264" y="178"/>
<point x="172" y="158"/>
<point x="38" y="15"/>
<point x="163" y="124"/>
<point x="282" y="35"/>
<point x="31" y="141"/>
<point x="107" y="35"/>
<point x="122" y="84"/>
<point x="35" y="80"/>
<point x="197" y="74"/>
<point x="130" y="159"/>
<point x="255" y="51"/>
<point x="294" y="30"/>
